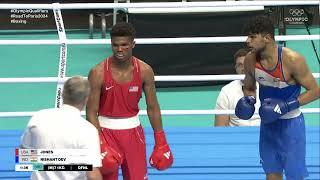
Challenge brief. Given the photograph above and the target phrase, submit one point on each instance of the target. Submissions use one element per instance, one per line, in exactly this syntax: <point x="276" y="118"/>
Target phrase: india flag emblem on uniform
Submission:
<point x="133" y="89"/>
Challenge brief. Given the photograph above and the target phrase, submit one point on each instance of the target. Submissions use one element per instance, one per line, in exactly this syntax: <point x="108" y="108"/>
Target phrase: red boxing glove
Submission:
<point x="161" y="157"/>
<point x="111" y="159"/>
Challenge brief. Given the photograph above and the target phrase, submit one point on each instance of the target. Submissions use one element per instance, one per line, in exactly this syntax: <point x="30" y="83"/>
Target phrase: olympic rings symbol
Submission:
<point x="296" y="12"/>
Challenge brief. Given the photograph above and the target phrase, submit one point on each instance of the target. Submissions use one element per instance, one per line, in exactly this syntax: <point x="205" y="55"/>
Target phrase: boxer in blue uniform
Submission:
<point x="280" y="72"/>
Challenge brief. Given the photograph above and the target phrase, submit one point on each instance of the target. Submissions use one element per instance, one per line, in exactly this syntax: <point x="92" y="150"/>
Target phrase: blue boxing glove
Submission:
<point x="272" y="109"/>
<point x="245" y="107"/>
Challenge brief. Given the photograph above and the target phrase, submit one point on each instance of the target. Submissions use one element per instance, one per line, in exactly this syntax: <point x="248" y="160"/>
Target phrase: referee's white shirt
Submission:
<point x="62" y="128"/>
<point x="228" y="98"/>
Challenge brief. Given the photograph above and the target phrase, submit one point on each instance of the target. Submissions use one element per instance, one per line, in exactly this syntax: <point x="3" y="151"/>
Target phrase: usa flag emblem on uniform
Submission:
<point x="133" y="89"/>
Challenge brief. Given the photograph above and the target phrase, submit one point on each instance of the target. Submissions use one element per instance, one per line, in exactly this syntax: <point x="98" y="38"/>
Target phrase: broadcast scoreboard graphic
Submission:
<point x="52" y="160"/>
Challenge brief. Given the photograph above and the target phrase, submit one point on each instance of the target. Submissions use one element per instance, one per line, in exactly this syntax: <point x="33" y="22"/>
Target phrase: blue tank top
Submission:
<point x="274" y="85"/>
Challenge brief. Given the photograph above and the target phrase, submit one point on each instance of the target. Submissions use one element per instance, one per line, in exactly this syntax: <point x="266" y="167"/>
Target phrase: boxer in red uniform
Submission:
<point x="117" y="84"/>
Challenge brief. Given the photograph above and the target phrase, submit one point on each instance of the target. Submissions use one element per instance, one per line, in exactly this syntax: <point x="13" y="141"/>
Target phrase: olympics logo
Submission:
<point x="296" y="12"/>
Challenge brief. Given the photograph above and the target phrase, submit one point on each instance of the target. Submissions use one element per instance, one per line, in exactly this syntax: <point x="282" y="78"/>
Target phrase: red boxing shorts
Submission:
<point x="130" y="143"/>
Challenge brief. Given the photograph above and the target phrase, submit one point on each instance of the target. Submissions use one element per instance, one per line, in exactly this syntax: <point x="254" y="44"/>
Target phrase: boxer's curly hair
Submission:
<point x="123" y="29"/>
<point x="259" y="25"/>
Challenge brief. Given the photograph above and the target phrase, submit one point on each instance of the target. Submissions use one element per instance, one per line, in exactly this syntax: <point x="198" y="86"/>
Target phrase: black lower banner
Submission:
<point x="67" y="167"/>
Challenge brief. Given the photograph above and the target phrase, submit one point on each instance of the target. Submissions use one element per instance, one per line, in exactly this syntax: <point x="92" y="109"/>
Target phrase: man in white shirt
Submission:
<point x="64" y="128"/>
<point x="230" y="95"/>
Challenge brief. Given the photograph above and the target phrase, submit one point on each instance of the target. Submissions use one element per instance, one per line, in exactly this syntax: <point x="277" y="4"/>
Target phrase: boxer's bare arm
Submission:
<point x="302" y="75"/>
<point x="96" y="80"/>
<point x="153" y="108"/>
<point x="249" y="82"/>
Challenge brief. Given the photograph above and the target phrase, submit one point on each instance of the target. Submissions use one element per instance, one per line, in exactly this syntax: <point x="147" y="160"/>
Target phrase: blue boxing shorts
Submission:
<point x="283" y="147"/>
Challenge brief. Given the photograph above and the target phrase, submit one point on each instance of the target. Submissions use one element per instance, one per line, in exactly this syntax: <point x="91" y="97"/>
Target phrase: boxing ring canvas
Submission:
<point x="204" y="153"/>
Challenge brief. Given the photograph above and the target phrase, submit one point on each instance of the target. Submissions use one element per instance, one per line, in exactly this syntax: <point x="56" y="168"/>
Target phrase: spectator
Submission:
<point x="230" y="95"/>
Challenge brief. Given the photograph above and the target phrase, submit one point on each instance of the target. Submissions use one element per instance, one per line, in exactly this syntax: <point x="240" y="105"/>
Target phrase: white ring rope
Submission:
<point x="164" y="112"/>
<point x="180" y="40"/>
<point x="193" y="10"/>
<point x="157" y="78"/>
<point x="157" y="4"/>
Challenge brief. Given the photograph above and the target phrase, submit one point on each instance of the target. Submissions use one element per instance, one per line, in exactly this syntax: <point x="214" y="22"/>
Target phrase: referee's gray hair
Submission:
<point x="76" y="90"/>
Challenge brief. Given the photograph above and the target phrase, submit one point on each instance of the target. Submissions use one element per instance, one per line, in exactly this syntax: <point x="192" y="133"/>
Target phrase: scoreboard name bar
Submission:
<point x="52" y="152"/>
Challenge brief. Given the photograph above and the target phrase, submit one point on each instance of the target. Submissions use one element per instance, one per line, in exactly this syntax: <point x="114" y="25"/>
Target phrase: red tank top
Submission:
<point x="120" y="100"/>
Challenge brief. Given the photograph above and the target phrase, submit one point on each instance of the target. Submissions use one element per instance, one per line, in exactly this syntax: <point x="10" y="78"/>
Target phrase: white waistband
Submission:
<point x="119" y="123"/>
<point x="292" y="114"/>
